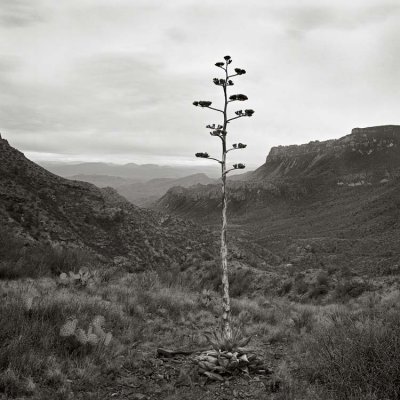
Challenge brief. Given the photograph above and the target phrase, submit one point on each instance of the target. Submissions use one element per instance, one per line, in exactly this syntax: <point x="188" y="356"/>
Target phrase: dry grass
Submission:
<point x="33" y="354"/>
<point x="356" y="355"/>
<point x="22" y="259"/>
<point x="143" y="312"/>
<point x="139" y="312"/>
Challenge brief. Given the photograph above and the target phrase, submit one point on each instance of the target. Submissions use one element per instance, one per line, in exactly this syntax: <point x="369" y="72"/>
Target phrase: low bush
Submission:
<point x="303" y="320"/>
<point x="318" y="290"/>
<point x="300" y="285"/>
<point x="350" y="288"/>
<point x="240" y="282"/>
<point x="30" y="334"/>
<point x="286" y="287"/>
<point x="21" y="259"/>
<point x="355" y="356"/>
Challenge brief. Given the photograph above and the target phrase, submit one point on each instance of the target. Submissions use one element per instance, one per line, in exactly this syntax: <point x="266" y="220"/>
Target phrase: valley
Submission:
<point x="313" y="258"/>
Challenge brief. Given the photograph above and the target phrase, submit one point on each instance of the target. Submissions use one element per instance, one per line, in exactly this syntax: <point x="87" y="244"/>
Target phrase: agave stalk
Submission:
<point x="221" y="132"/>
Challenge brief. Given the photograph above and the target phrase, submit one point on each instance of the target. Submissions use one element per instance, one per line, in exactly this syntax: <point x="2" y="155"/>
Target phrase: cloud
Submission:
<point x="19" y="13"/>
<point x="112" y="77"/>
<point x="108" y="103"/>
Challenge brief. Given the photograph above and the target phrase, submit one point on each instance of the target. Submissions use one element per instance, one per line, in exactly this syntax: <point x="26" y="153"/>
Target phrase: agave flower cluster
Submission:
<point x="239" y="145"/>
<point x="245" y="113"/>
<point x="202" y="155"/>
<point x="202" y="103"/>
<point x="94" y="336"/>
<point x="239" y="166"/>
<point x="238" y="97"/>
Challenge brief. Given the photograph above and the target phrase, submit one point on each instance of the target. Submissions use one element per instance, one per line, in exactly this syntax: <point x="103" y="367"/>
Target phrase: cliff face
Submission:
<point x="366" y="156"/>
<point x="362" y="140"/>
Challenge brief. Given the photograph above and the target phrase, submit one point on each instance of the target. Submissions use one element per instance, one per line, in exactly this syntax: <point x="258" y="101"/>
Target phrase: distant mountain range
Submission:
<point x="132" y="172"/>
<point x="146" y="193"/>
<point x="143" y="193"/>
<point x="103" y="180"/>
<point x="140" y="184"/>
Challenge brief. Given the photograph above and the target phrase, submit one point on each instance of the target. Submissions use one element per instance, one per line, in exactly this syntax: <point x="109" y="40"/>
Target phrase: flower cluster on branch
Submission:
<point x="239" y="166"/>
<point x="202" y="103"/>
<point x="240" y="71"/>
<point x="238" y="97"/>
<point x="202" y="155"/>
<point x="245" y="113"/>
<point x="239" y="146"/>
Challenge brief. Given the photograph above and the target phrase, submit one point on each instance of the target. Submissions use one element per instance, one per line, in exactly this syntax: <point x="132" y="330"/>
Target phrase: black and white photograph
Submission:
<point x="199" y="200"/>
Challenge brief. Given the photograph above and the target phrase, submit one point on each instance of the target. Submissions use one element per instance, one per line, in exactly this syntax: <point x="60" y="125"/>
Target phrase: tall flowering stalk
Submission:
<point x="220" y="131"/>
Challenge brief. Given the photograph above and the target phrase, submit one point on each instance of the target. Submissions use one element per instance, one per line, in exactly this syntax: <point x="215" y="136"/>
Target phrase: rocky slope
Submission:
<point x="332" y="203"/>
<point x="42" y="207"/>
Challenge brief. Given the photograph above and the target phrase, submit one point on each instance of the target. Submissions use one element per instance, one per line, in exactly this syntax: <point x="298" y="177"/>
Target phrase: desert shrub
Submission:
<point x="355" y="356"/>
<point x="207" y="255"/>
<point x="317" y="291"/>
<point x="240" y="282"/>
<point x="323" y="278"/>
<point x="21" y="259"/>
<point x="172" y="275"/>
<point x="346" y="272"/>
<point x="10" y="246"/>
<point x="320" y="287"/>
<point x="286" y="287"/>
<point x="285" y="386"/>
<point x="211" y="277"/>
<point x="350" y="288"/>
<point x="174" y="301"/>
<point x="303" y="320"/>
<point x="146" y="281"/>
<point x="13" y="385"/>
<point x="278" y="334"/>
<point x="247" y="310"/>
<point x="300" y="285"/>
<point x="64" y="259"/>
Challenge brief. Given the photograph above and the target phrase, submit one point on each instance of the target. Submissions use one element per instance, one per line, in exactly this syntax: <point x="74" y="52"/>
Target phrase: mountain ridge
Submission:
<point x="40" y="206"/>
<point x="137" y="172"/>
<point x="367" y="156"/>
<point x="357" y="155"/>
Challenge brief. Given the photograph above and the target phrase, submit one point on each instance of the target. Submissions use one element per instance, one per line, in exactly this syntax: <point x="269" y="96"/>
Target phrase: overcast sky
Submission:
<point x="114" y="80"/>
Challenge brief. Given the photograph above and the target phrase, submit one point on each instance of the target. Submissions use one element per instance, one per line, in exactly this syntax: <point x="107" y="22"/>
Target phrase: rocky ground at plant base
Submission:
<point x="150" y="377"/>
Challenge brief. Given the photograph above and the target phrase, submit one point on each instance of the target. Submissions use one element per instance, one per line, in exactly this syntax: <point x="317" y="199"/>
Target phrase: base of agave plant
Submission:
<point x="220" y="365"/>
